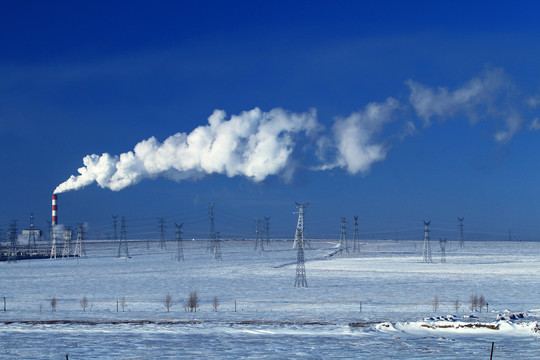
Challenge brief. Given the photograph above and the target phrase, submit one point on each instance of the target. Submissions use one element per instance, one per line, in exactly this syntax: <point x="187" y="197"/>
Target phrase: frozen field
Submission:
<point x="376" y="304"/>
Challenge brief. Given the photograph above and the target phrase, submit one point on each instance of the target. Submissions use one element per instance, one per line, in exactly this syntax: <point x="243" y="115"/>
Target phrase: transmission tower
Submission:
<point x="67" y="243"/>
<point x="80" y="250"/>
<point x="299" y="238"/>
<point x="12" y="252"/>
<point x="426" y="255"/>
<point x="461" y="241"/>
<point x="442" y="243"/>
<point x="123" y="245"/>
<point x="179" y="245"/>
<point x="267" y="229"/>
<point x="356" y="245"/>
<point x="212" y="237"/>
<point x="343" y="245"/>
<point x="32" y="244"/>
<point x="49" y="229"/>
<point x="162" y="233"/>
<point x="115" y="232"/>
<point x="300" y="279"/>
<point x="258" y="239"/>
<point x="217" y="247"/>
<point x="54" y="238"/>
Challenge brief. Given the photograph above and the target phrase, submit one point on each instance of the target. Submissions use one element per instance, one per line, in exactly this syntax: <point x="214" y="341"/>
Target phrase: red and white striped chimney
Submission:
<point x="54" y="208"/>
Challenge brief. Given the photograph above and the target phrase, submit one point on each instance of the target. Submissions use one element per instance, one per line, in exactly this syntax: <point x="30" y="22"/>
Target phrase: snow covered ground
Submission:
<point x="376" y="304"/>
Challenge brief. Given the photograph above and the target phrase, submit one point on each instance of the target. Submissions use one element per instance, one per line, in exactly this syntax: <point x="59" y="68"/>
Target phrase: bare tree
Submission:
<point x="436" y="304"/>
<point x="84" y="303"/>
<point x="53" y="303"/>
<point x="481" y="302"/>
<point x="457" y="304"/>
<point x="168" y="301"/>
<point x="215" y="303"/>
<point x="474" y="302"/>
<point x="123" y="303"/>
<point x="192" y="302"/>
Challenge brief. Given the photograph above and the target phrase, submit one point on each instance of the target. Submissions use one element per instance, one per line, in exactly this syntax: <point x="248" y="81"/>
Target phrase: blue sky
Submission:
<point x="94" y="78"/>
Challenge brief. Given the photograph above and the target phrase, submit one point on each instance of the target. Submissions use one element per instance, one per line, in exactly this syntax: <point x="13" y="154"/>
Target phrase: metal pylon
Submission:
<point x="267" y="229"/>
<point x="442" y="243"/>
<point x="356" y="246"/>
<point x="179" y="244"/>
<point x="162" y="244"/>
<point x="300" y="230"/>
<point x="80" y="251"/>
<point x="123" y="245"/>
<point x="212" y="237"/>
<point x="54" y="236"/>
<point x="67" y="243"/>
<point x="217" y="247"/>
<point x="300" y="280"/>
<point x="343" y="245"/>
<point x="12" y="252"/>
<point x="461" y="240"/>
<point x="426" y="254"/>
<point x="258" y="233"/>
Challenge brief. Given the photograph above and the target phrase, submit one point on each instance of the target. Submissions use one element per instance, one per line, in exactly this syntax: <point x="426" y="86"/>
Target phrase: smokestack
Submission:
<point x="54" y="208"/>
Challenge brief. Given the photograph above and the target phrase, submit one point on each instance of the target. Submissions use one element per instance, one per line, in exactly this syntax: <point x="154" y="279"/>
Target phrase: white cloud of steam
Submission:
<point x="257" y="144"/>
<point x="254" y="144"/>
<point x="492" y="95"/>
<point x="443" y="103"/>
<point x="354" y="137"/>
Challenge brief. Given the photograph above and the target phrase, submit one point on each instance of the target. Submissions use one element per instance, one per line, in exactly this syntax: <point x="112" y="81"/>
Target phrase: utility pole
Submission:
<point x="426" y="255"/>
<point x="300" y="279"/>
<point x="461" y="240"/>
<point x="179" y="245"/>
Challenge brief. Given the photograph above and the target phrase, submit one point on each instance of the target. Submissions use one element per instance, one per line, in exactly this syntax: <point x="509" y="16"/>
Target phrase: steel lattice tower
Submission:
<point x="67" y="243"/>
<point x="123" y="245"/>
<point x="217" y="247"/>
<point x="115" y="232"/>
<point x="212" y="235"/>
<point x="179" y="244"/>
<point x="442" y="243"/>
<point x="12" y="252"/>
<point x="267" y="229"/>
<point x="80" y="251"/>
<point x="300" y="230"/>
<point x="300" y="279"/>
<point x="426" y="254"/>
<point x="461" y="240"/>
<point x="258" y="239"/>
<point x="343" y="245"/>
<point x="32" y="244"/>
<point x="356" y="246"/>
<point x="54" y="236"/>
<point x="162" y="233"/>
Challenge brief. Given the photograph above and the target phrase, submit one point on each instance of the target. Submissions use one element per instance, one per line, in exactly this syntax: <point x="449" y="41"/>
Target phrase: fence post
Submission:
<point x="492" y="344"/>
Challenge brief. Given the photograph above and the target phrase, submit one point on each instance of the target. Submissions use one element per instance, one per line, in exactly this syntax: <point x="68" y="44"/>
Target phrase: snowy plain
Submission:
<point x="378" y="303"/>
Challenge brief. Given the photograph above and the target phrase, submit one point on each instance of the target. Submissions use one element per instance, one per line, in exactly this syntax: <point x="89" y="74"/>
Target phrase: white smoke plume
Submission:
<point x="257" y="144"/>
<point x="354" y="137"/>
<point x="489" y="96"/>
<point x="254" y="144"/>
